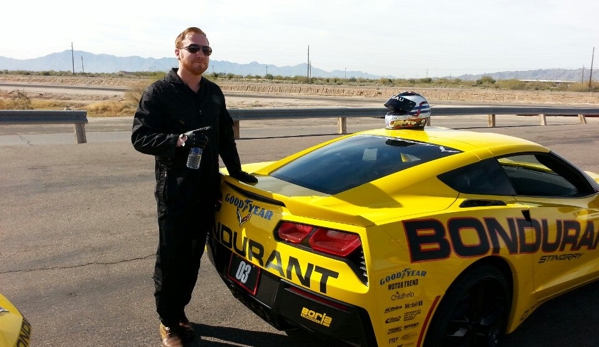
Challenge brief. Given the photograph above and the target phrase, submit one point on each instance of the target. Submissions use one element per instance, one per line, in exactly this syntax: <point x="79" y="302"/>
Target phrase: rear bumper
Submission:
<point x="286" y="306"/>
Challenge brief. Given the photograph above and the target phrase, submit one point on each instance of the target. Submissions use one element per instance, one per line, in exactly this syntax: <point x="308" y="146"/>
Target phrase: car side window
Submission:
<point x="544" y="174"/>
<point x="484" y="177"/>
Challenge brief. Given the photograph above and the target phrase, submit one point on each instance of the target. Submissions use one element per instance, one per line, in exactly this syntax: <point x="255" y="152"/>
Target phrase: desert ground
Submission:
<point x="78" y="91"/>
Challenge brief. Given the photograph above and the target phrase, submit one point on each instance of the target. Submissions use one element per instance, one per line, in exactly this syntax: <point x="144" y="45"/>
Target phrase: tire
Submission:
<point x="474" y="311"/>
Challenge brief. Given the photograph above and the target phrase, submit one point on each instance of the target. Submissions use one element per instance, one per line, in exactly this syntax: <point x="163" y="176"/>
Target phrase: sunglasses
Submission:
<point x="193" y="48"/>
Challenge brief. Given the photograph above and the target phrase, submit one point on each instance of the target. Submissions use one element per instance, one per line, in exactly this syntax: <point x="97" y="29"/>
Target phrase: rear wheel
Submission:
<point x="474" y="311"/>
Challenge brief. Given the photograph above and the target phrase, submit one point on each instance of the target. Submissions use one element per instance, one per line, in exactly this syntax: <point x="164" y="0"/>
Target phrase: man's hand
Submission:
<point x="244" y="177"/>
<point x="196" y="139"/>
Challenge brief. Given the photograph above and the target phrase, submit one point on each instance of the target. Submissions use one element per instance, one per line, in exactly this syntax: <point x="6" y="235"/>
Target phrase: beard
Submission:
<point x="197" y="67"/>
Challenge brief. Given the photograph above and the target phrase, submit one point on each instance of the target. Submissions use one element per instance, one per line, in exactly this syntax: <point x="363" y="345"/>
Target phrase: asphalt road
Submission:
<point x="78" y="235"/>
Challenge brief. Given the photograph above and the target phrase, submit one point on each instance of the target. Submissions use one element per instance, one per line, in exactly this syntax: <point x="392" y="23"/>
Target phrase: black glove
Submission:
<point x="244" y="177"/>
<point x="196" y="139"/>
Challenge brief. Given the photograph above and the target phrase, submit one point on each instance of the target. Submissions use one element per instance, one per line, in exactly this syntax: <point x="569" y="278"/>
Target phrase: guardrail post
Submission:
<point x="491" y="120"/>
<point x="543" y="119"/>
<point x="236" y="129"/>
<point x="582" y="119"/>
<point x="342" y="125"/>
<point x="80" y="133"/>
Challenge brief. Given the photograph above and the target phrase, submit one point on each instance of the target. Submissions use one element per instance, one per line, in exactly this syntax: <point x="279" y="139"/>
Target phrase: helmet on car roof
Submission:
<point x="407" y="110"/>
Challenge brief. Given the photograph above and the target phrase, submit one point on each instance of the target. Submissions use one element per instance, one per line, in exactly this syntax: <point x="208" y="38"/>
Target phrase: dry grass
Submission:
<point x="124" y="103"/>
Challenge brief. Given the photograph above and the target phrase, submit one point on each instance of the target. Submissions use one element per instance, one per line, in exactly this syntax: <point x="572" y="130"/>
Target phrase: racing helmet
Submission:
<point x="407" y="110"/>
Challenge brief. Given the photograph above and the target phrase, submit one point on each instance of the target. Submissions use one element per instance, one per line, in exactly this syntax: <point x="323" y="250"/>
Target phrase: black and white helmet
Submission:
<point x="407" y="110"/>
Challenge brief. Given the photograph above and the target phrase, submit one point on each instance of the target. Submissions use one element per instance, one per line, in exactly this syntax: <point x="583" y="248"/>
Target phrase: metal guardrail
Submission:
<point x="75" y="117"/>
<point x="343" y="113"/>
<point x="79" y="118"/>
<point x="250" y="114"/>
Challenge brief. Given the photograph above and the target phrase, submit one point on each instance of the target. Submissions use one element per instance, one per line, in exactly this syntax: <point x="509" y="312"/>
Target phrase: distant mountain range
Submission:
<point x="81" y="61"/>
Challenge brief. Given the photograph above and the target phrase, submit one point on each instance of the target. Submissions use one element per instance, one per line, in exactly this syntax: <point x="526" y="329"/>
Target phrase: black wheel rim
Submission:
<point x="479" y="317"/>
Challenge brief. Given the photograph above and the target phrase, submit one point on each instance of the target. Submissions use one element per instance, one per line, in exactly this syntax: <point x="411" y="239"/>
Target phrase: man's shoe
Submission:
<point x="187" y="332"/>
<point x="170" y="337"/>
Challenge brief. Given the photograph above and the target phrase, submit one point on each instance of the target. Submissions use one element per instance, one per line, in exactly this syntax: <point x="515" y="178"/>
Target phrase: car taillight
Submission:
<point x="334" y="242"/>
<point x="294" y="233"/>
<point x="329" y="241"/>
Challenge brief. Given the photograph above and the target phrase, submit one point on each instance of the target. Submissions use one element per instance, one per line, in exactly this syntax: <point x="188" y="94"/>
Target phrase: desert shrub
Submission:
<point x="512" y="84"/>
<point x="18" y="100"/>
<point x="133" y="95"/>
<point x="583" y="87"/>
<point x="485" y="80"/>
<point x="385" y="81"/>
<point x="110" y="109"/>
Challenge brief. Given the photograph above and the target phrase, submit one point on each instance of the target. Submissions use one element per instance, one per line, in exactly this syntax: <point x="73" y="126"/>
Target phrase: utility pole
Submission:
<point x="591" y="73"/>
<point x="73" y="57"/>
<point x="582" y="78"/>
<point x="308" y="66"/>
<point x="82" y="68"/>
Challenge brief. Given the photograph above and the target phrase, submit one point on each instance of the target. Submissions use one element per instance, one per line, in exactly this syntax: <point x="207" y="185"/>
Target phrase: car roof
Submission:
<point x="463" y="140"/>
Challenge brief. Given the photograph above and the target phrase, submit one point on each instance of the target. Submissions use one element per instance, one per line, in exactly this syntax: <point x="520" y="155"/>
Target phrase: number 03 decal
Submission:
<point x="243" y="271"/>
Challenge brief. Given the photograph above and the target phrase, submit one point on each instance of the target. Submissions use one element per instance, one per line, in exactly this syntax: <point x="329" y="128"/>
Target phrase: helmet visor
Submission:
<point x="399" y="105"/>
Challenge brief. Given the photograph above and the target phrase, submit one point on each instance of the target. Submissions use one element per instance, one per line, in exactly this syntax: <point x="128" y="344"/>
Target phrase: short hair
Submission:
<point x="185" y="33"/>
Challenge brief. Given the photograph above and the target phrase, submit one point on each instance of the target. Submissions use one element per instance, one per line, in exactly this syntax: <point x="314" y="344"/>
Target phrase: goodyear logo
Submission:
<point x="246" y="209"/>
<point x="403" y="274"/>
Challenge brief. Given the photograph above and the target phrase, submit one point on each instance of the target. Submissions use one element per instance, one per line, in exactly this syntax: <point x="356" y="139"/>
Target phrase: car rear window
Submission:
<point x="356" y="160"/>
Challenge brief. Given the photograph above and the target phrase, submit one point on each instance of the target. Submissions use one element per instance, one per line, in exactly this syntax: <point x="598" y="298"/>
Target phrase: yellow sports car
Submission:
<point x="15" y="330"/>
<point x="406" y="236"/>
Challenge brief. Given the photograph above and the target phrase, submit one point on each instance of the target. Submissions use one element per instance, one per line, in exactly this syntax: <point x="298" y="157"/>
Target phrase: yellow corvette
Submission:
<point x="15" y="330"/>
<point x="408" y="237"/>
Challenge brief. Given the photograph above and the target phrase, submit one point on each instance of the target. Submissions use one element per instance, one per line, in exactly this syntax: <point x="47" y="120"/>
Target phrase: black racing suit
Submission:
<point x="185" y="197"/>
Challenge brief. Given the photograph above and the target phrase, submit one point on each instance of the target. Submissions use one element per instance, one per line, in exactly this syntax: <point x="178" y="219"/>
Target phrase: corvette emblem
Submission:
<point x="241" y="218"/>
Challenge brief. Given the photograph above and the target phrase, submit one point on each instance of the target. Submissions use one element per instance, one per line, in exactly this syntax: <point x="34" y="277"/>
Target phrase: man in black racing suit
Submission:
<point x="181" y="102"/>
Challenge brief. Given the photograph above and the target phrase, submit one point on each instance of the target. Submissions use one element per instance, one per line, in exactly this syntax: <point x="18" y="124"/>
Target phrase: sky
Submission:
<point x="398" y="38"/>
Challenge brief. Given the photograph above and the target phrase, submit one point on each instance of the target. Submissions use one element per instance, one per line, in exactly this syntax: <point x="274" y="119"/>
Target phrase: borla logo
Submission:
<point x="246" y="208"/>
<point x="320" y="318"/>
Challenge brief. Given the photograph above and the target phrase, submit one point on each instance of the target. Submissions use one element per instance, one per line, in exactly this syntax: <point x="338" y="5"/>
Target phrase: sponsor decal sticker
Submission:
<point x="394" y="330"/>
<point x="414" y="304"/>
<point x="410" y="315"/>
<point x="402" y="275"/>
<point x="319" y="318"/>
<point x="561" y="257"/>
<point x="404" y="284"/>
<point x="410" y="326"/>
<point x="430" y="239"/>
<point x="24" y="334"/>
<point x="393" y="319"/>
<point x="246" y="209"/>
<point x="409" y="336"/>
<point x="401" y="296"/>
<point x="393" y="308"/>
